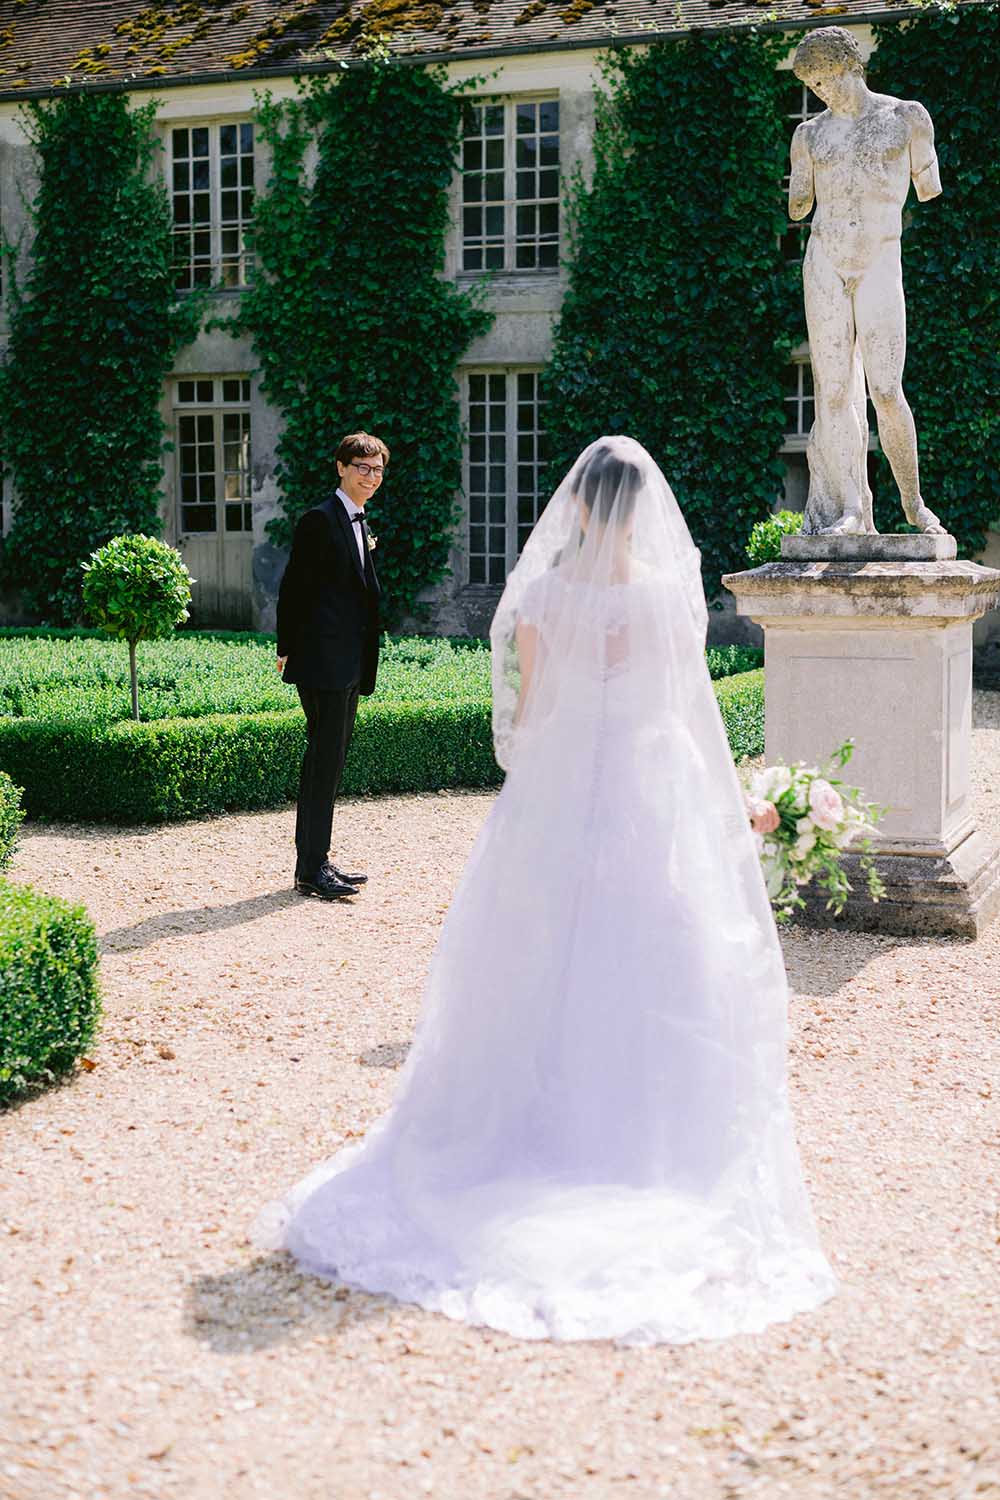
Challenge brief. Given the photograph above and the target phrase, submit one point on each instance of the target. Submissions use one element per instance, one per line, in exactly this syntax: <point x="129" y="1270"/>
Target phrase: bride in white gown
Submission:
<point x="591" y="1137"/>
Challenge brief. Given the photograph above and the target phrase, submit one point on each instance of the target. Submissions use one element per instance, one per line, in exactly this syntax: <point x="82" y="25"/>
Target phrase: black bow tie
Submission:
<point x="359" y="519"/>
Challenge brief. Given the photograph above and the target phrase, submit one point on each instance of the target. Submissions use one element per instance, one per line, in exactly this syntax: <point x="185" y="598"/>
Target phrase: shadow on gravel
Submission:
<point x="844" y="955"/>
<point x="385" y="1055"/>
<point x="271" y="1302"/>
<point x="196" y="919"/>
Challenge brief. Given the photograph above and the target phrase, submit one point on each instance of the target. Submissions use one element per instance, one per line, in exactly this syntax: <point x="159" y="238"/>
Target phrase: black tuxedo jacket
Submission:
<point x="328" y="623"/>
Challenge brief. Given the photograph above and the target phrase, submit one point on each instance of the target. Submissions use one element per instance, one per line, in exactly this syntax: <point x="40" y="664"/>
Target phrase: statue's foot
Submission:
<point x="850" y="524"/>
<point x="926" y="520"/>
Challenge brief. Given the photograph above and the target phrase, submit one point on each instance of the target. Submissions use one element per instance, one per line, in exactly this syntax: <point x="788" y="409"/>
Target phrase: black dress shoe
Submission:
<point x="325" y="885"/>
<point x="342" y="875"/>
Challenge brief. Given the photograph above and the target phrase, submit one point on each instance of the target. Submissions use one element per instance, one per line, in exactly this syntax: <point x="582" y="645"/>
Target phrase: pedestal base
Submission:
<point x="955" y="895"/>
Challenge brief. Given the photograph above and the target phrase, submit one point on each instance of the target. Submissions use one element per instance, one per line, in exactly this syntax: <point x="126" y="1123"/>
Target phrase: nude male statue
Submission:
<point x="857" y="160"/>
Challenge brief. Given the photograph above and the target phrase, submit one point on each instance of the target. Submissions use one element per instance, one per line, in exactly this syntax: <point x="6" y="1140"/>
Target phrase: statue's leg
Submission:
<point x="835" y="443"/>
<point x="880" y="310"/>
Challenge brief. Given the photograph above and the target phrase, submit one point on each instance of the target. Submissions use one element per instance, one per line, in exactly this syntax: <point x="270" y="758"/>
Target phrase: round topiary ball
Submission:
<point x="136" y="588"/>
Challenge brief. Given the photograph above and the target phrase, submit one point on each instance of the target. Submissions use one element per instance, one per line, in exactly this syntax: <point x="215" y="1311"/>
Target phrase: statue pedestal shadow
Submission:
<point x="870" y="638"/>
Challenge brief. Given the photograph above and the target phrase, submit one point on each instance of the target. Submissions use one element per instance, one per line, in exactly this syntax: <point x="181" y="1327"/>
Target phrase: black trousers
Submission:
<point x="329" y="726"/>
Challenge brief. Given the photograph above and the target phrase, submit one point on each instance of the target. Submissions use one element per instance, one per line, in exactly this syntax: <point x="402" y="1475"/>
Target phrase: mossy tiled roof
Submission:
<point x="44" y="43"/>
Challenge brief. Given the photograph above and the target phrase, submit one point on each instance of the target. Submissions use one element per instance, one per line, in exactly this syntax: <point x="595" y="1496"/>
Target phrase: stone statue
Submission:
<point x="856" y="160"/>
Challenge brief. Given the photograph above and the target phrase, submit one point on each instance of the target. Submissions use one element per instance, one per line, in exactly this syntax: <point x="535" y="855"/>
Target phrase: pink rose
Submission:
<point x="826" y="807"/>
<point x="764" y="816"/>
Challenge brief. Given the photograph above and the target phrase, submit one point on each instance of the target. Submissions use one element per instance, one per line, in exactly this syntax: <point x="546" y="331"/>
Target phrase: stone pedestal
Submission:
<point x="880" y="650"/>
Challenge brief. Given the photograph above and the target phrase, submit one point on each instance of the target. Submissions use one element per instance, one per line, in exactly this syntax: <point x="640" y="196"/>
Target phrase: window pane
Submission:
<point x="246" y="137"/>
<point x="230" y="391"/>
<point x="527" y="117"/>
<point x="199" y="141"/>
<point x="185" y="392"/>
<point x="494" y="155"/>
<point x="493" y="119"/>
<point x="472" y="156"/>
<point x="199" y="174"/>
<point x="548" y="115"/>
<point x="180" y="140"/>
<point x="227" y="139"/>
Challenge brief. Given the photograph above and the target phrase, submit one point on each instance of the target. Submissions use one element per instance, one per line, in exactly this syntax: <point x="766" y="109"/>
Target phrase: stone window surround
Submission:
<point x="497" y="525"/>
<point x="201" y="399"/>
<point x="509" y="102"/>
<point x="229" y="267"/>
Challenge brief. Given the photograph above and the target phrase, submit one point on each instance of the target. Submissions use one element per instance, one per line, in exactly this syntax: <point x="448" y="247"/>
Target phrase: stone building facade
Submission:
<point x="530" y="129"/>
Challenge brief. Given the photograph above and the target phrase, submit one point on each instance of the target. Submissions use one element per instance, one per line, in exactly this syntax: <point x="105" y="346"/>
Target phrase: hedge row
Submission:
<point x="49" y="676"/>
<point x="49" y="997"/>
<point x="125" y="772"/>
<point x="11" y="817"/>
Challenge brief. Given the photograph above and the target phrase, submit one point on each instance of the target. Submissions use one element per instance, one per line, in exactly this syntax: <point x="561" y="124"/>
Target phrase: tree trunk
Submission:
<point x="134" y="680"/>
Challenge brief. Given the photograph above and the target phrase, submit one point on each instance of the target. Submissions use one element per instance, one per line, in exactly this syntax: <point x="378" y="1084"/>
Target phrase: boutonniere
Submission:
<point x="372" y="541"/>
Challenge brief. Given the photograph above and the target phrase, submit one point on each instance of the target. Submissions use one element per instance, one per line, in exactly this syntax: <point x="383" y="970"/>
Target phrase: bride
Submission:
<point x="591" y="1137"/>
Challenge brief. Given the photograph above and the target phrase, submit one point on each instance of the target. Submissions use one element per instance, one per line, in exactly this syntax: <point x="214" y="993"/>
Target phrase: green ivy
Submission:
<point x="946" y="58"/>
<point x="679" y="314"/>
<point x="351" y="319"/>
<point x="93" y="333"/>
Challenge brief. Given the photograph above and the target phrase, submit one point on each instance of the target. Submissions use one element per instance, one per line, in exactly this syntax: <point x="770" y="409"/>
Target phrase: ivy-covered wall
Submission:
<point x="680" y="313"/>
<point x="352" y="322"/>
<point x="93" y="331"/>
<point x="951" y="268"/>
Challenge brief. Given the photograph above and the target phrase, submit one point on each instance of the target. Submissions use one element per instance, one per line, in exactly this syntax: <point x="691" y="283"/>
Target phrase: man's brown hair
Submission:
<point x="361" y="445"/>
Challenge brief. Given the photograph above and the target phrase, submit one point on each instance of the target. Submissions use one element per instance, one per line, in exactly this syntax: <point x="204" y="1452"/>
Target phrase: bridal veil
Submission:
<point x="591" y="1137"/>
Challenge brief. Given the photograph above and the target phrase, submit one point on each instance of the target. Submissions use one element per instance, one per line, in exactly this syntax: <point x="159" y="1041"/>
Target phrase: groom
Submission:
<point x="328" y="637"/>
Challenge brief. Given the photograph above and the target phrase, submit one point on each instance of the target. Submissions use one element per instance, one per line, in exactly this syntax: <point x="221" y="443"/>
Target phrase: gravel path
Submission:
<point x="149" y="1351"/>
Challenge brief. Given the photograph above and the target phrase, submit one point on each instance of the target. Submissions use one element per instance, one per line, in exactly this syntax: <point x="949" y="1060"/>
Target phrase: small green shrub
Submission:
<point x="729" y="661"/>
<point x="764" y="544"/>
<point x="741" y="703"/>
<point x="49" y="996"/>
<point x="136" y="588"/>
<point x="11" y="818"/>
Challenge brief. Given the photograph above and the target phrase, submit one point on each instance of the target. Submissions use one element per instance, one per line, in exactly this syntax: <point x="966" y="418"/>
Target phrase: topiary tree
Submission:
<point x="136" y="588"/>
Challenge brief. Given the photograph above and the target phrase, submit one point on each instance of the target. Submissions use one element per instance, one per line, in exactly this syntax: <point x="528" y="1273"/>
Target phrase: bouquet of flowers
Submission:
<point x="803" y="818"/>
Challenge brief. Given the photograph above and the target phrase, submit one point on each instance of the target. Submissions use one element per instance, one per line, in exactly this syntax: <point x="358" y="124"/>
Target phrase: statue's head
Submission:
<point x="824" y="55"/>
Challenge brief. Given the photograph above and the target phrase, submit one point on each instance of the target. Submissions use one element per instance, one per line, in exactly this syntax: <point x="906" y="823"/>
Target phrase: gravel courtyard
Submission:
<point x="150" y="1351"/>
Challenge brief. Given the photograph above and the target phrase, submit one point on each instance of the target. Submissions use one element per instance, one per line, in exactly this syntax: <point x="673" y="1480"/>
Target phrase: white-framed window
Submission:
<point x="510" y="185"/>
<point x="212" y="448"/>
<point x="801" y="104"/>
<point x="505" y="455"/>
<point x="211" y="187"/>
<point x="800" y="402"/>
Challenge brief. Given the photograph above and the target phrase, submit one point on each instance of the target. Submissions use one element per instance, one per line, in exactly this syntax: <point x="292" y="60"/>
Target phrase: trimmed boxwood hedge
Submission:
<point x="741" y="701"/>
<point x="125" y="772"/>
<point x="49" y="997"/>
<point x="11" y="817"/>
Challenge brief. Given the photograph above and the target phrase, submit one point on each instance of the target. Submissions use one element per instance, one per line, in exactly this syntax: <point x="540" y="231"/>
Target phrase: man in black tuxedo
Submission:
<point x="328" y="638"/>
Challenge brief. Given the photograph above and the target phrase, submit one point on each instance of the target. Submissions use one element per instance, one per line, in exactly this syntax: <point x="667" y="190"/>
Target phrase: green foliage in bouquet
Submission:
<point x="136" y="588"/>
<point x="11" y="818"/>
<point x="764" y="545"/>
<point x="806" y="817"/>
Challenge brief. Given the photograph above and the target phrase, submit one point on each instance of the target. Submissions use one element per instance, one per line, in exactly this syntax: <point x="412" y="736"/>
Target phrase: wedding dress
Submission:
<point x="591" y="1137"/>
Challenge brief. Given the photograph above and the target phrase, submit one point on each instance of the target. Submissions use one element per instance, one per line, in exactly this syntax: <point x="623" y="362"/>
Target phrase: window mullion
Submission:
<point x="510" y="185"/>
<point x="510" y="378"/>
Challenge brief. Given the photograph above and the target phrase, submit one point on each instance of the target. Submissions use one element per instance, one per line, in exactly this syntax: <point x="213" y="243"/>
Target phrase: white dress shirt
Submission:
<point x="352" y="511"/>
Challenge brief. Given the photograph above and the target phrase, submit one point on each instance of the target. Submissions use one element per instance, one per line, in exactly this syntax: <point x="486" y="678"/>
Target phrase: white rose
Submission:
<point x="804" y="844"/>
<point x="826" y="805"/>
<point x="769" y="784"/>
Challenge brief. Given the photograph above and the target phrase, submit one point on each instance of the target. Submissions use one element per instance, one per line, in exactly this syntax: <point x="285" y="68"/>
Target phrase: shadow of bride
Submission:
<point x="195" y="919"/>
<point x="272" y="1302"/>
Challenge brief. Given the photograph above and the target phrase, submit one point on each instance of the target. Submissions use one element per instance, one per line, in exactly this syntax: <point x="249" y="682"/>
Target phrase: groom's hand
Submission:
<point x="281" y="663"/>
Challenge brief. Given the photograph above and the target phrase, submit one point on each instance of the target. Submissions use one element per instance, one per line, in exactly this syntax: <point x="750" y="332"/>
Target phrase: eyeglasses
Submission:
<point x="366" y="469"/>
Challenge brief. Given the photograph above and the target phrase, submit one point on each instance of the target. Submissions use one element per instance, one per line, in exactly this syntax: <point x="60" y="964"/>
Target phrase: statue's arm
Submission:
<point x="800" y="182"/>
<point x="923" y="158"/>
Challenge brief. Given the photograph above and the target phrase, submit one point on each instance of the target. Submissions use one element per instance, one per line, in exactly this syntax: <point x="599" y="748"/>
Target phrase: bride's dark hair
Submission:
<point x="607" y="485"/>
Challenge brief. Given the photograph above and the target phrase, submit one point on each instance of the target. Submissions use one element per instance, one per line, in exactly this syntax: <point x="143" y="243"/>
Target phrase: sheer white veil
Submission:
<point x="608" y="588"/>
